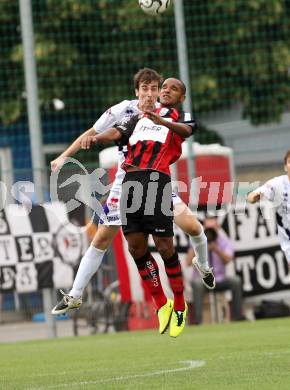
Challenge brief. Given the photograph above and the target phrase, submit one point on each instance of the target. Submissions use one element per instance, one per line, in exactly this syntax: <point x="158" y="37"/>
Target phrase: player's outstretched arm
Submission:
<point x="253" y="197"/>
<point x="70" y="151"/>
<point x="109" y="135"/>
<point x="181" y="129"/>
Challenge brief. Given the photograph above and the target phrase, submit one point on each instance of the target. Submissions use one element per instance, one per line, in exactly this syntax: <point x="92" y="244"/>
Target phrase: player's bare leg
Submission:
<point x="173" y="270"/>
<point x="149" y="272"/>
<point x="104" y="236"/>
<point x="89" y="265"/>
<point x="186" y="220"/>
<point x="92" y="259"/>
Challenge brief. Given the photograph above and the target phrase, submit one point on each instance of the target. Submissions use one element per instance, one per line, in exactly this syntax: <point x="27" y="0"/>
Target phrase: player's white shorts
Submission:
<point x="111" y="209"/>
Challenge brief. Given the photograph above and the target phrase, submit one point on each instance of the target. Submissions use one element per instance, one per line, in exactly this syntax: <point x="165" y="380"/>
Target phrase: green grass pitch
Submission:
<point x="245" y="355"/>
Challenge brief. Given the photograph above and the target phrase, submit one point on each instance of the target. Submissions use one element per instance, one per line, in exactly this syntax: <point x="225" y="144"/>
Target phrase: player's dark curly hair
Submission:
<point x="147" y="75"/>
<point x="287" y="155"/>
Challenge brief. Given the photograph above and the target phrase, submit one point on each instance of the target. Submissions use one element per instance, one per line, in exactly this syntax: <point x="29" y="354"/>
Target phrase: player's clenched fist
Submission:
<point x="154" y="117"/>
<point x="88" y="141"/>
<point x="57" y="163"/>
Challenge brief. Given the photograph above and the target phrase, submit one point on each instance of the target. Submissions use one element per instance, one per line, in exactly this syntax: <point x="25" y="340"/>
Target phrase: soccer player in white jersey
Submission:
<point x="277" y="191"/>
<point x="147" y="86"/>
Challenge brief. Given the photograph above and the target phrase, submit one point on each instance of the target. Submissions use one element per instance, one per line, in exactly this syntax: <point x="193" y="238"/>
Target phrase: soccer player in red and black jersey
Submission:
<point x="154" y="143"/>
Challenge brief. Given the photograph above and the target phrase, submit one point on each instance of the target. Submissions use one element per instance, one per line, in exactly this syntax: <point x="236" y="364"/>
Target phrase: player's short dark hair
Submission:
<point x="287" y="155"/>
<point x="147" y="75"/>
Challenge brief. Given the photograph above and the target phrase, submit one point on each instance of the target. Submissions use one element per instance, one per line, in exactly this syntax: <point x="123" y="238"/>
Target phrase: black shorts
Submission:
<point x="146" y="203"/>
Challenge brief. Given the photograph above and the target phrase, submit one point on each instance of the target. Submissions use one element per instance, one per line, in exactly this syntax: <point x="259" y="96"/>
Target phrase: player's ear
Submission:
<point x="182" y="98"/>
<point x="285" y="168"/>
<point x="136" y="92"/>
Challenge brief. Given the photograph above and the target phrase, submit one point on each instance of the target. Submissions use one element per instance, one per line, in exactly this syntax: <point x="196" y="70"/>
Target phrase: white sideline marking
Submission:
<point x="189" y="365"/>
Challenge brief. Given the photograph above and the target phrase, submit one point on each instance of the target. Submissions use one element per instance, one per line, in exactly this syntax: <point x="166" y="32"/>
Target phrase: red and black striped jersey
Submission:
<point x="153" y="146"/>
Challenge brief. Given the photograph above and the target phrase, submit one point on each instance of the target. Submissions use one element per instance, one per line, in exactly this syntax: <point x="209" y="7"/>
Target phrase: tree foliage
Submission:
<point x="87" y="52"/>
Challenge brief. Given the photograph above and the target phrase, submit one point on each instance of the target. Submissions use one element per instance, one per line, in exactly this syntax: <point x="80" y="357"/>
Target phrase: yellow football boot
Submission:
<point x="177" y="322"/>
<point x="164" y="315"/>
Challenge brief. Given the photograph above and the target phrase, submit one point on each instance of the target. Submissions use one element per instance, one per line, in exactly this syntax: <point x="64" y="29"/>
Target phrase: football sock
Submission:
<point x="149" y="272"/>
<point x="89" y="265"/>
<point x="199" y="244"/>
<point x="174" y="273"/>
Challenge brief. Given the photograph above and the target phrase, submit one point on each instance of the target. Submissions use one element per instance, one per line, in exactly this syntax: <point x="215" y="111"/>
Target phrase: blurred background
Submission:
<point x="86" y="53"/>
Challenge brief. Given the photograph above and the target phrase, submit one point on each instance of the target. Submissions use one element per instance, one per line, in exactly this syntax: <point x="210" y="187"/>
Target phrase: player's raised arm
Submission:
<point x="119" y="133"/>
<point x="71" y="150"/>
<point x="109" y="135"/>
<point x="179" y="128"/>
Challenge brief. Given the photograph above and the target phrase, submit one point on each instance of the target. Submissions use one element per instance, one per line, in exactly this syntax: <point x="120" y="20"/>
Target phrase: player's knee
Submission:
<point x="100" y="244"/>
<point x="101" y="241"/>
<point x="193" y="228"/>
<point x="137" y="248"/>
<point x="136" y="252"/>
<point x="164" y="247"/>
<point x="194" y="231"/>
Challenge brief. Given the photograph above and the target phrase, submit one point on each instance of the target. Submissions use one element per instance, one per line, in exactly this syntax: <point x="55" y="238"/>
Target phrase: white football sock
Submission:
<point x="199" y="244"/>
<point x="89" y="265"/>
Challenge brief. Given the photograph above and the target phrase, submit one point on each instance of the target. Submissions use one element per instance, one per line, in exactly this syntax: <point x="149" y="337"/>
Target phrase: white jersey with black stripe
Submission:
<point x="117" y="114"/>
<point x="277" y="191"/>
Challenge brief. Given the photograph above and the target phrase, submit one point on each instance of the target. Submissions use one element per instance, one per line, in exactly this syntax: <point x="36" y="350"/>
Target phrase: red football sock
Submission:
<point x="149" y="272"/>
<point x="174" y="273"/>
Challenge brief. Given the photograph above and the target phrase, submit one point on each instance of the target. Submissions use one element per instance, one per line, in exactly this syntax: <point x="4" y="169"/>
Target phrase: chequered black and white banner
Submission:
<point x="38" y="249"/>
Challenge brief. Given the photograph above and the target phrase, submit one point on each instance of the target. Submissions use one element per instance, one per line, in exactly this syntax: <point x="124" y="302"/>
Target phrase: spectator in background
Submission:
<point x="221" y="253"/>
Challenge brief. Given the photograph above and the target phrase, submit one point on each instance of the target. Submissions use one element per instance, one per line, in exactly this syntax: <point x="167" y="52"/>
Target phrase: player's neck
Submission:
<point x="176" y="106"/>
<point x="168" y="106"/>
